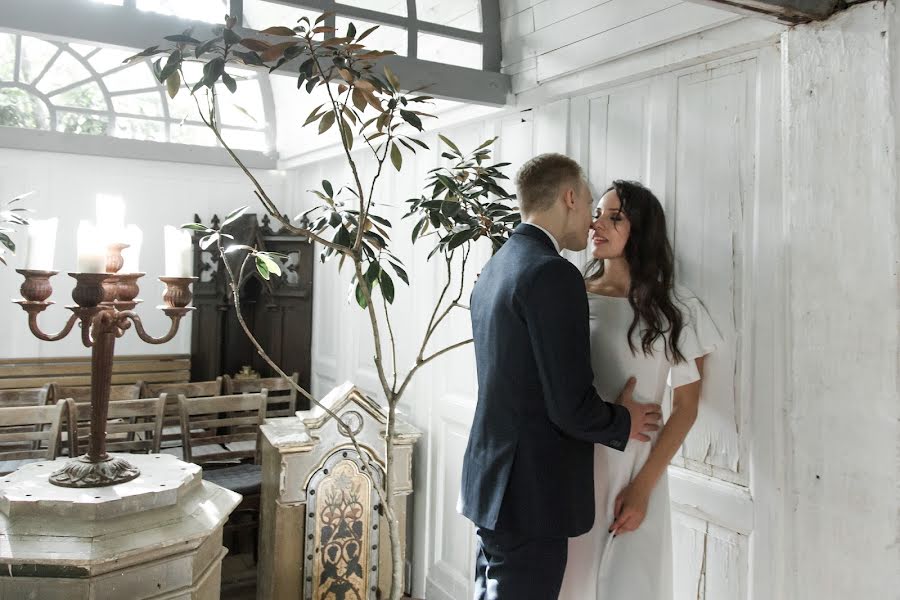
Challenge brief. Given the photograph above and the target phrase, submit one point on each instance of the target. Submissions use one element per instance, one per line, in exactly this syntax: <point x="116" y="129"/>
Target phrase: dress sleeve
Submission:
<point x="698" y="338"/>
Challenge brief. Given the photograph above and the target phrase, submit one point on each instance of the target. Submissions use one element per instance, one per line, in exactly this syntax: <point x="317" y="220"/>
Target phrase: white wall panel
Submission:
<point x="155" y="194"/>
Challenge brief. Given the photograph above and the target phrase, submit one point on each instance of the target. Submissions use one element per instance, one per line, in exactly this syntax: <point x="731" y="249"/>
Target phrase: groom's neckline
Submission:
<point x="539" y="233"/>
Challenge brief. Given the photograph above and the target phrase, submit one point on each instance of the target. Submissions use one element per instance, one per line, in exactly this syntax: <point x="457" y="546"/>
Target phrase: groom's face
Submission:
<point x="580" y="217"/>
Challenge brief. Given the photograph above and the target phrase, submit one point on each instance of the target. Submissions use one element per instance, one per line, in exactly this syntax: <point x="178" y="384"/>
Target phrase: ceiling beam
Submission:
<point x="102" y="24"/>
<point x="786" y="11"/>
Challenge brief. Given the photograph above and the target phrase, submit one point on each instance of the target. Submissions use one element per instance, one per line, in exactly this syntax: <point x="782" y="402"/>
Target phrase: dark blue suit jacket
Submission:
<point x="528" y="465"/>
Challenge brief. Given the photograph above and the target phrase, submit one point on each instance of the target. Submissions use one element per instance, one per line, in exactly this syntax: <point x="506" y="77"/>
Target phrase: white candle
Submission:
<point x="41" y="244"/>
<point x="179" y="252"/>
<point x="111" y="219"/>
<point x="134" y="237"/>
<point x="91" y="250"/>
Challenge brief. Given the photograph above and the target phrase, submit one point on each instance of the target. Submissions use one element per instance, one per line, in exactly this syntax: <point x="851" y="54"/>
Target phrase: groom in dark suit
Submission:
<point x="527" y="480"/>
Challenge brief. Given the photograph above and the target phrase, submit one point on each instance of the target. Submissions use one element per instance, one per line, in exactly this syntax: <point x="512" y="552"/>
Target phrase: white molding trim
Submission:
<point x="103" y="145"/>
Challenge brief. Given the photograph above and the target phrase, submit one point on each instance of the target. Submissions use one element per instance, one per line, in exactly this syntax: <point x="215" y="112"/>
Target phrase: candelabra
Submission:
<point x="104" y="307"/>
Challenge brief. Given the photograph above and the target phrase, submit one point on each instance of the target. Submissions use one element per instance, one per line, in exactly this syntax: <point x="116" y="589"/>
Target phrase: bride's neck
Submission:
<point x="616" y="278"/>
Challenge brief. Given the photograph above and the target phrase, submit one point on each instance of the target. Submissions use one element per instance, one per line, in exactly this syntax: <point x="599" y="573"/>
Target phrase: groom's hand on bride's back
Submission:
<point x="645" y="418"/>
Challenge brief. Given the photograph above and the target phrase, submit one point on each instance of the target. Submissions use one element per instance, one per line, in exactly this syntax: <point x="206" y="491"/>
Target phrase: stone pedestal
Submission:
<point x="158" y="536"/>
<point x="320" y="525"/>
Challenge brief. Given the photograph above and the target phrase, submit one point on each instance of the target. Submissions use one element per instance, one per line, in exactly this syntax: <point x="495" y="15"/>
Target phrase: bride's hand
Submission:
<point x="630" y="509"/>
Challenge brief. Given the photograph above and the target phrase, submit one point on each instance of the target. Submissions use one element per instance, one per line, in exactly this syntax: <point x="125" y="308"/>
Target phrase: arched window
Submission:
<point x="82" y="89"/>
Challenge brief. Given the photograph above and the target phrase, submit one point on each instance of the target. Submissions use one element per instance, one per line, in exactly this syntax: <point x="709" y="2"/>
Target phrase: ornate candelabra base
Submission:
<point x="104" y="307"/>
<point x="82" y="472"/>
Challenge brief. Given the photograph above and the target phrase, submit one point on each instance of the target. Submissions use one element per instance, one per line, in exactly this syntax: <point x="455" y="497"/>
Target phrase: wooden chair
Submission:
<point x="125" y="418"/>
<point x="213" y="432"/>
<point x="27" y="396"/>
<point x="21" y="427"/>
<point x="282" y="395"/>
<point x="171" y="436"/>
<point x="82" y="393"/>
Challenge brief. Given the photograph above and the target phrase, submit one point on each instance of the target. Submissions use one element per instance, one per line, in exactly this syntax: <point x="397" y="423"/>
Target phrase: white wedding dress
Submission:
<point x="635" y="565"/>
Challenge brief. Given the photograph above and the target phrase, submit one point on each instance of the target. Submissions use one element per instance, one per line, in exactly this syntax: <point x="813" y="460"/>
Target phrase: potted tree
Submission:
<point x="463" y="203"/>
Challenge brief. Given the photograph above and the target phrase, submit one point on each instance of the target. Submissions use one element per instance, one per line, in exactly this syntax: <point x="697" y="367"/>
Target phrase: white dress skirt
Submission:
<point x="635" y="565"/>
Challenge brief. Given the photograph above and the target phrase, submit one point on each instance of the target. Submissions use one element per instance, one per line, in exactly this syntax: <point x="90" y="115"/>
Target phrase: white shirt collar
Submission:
<point x="549" y="235"/>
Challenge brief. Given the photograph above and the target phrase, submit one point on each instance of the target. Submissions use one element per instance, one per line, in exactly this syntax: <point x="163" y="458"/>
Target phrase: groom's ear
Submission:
<point x="569" y="196"/>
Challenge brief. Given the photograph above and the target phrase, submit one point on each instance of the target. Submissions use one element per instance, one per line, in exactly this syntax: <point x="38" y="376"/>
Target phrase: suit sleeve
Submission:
<point x="556" y="313"/>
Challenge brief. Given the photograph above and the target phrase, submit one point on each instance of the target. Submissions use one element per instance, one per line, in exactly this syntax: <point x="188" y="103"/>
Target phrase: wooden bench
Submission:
<point x="76" y="371"/>
<point x="27" y="396"/>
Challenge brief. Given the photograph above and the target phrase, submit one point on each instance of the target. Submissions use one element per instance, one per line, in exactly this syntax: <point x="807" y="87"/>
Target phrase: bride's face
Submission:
<point x="610" y="229"/>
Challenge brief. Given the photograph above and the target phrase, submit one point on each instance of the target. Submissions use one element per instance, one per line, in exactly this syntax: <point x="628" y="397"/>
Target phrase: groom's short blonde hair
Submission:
<point x="539" y="180"/>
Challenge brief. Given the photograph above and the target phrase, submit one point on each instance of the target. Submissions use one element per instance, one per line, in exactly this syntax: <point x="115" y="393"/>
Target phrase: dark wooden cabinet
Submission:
<point x="277" y="311"/>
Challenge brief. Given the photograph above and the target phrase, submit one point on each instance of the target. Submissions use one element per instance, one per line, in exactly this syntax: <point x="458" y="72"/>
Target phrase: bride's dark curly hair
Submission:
<point x="651" y="264"/>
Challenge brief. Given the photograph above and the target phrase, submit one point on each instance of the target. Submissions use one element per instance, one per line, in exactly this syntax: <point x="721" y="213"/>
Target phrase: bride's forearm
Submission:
<point x="685" y="401"/>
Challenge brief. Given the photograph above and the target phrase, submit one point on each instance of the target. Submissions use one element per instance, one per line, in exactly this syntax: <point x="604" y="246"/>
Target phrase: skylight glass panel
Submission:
<point x="211" y="11"/>
<point x="462" y="14"/>
<point x="450" y="51"/>
<point x="259" y="14"/>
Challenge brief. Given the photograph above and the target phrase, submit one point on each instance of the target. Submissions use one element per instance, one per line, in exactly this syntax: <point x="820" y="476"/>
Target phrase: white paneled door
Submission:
<point x="698" y="139"/>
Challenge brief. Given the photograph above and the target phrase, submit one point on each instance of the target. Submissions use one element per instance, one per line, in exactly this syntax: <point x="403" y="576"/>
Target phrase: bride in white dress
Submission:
<point x="641" y="326"/>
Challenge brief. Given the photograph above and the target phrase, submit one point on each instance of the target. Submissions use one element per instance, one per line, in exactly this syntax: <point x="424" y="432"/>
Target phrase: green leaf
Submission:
<point x="209" y="240"/>
<point x="418" y="142"/>
<point x="380" y="220"/>
<point x="181" y="38"/>
<point x="347" y="133"/>
<point x="172" y="65"/>
<point x="262" y="268"/>
<point x="234" y="215"/>
<point x="212" y="71"/>
<point x="411" y="118"/>
<point x="487" y="143"/>
<point x="326" y="185"/>
<point x="230" y="37"/>
<point x="197" y="227"/>
<point x="401" y="272"/>
<point x="387" y="286"/>
<point x="279" y="30"/>
<point x="360" y="297"/>
<point x="372" y="274"/>
<point x="327" y="122"/>
<point x="173" y="84"/>
<point x="144" y="53"/>
<point x="451" y="144"/>
<point x="391" y="77"/>
<point x="248" y="58"/>
<point x="271" y="265"/>
<point x="205" y="47"/>
<point x="313" y="115"/>
<point x="396" y="157"/>
<point x="351" y="31"/>
<point x="419" y="228"/>
<point x="235" y="247"/>
<point x="229" y="82"/>
<point x="366" y="33"/>
<point x="6" y="241"/>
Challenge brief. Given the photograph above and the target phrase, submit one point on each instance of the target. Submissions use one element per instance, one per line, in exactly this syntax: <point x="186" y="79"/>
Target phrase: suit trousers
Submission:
<point x="512" y="566"/>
